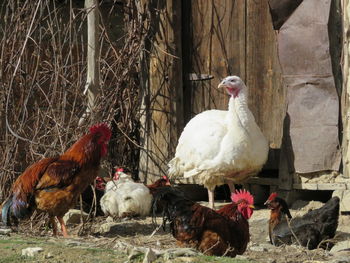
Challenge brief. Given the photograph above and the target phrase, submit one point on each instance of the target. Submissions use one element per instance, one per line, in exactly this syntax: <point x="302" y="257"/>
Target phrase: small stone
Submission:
<point x="48" y="255"/>
<point x="150" y="256"/>
<point x="258" y="249"/>
<point x="31" y="251"/>
<point x="341" y="257"/>
<point x="109" y="219"/>
<point x="109" y="228"/>
<point x="73" y="216"/>
<point x="343" y="245"/>
<point x="5" y="231"/>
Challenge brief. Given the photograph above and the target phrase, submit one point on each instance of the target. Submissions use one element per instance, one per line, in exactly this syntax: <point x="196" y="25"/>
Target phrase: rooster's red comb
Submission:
<point x="119" y="170"/>
<point x="102" y="128"/>
<point x="242" y="195"/>
<point x="272" y="196"/>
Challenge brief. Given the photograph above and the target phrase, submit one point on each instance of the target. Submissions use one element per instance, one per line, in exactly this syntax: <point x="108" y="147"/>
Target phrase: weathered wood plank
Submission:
<point x="162" y="112"/>
<point x="330" y="186"/>
<point x="263" y="73"/>
<point x="346" y="89"/>
<point x="218" y="49"/>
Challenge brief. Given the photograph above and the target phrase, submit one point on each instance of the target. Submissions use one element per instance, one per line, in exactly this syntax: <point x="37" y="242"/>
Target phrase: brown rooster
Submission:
<point x="52" y="185"/>
<point x="223" y="233"/>
<point x="309" y="231"/>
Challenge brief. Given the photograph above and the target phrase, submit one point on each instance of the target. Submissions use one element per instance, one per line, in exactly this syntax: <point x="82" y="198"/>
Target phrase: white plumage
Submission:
<point x="124" y="197"/>
<point x="216" y="145"/>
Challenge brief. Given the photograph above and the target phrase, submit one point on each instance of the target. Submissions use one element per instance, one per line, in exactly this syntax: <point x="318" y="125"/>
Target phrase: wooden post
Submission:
<point x="93" y="69"/>
<point x="346" y="89"/>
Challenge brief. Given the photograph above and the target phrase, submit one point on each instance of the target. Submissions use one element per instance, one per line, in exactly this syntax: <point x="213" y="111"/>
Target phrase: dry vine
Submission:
<point x="43" y="73"/>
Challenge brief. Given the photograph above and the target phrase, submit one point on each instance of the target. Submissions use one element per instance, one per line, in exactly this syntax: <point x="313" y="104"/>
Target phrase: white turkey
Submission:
<point x="219" y="146"/>
<point x="124" y="197"/>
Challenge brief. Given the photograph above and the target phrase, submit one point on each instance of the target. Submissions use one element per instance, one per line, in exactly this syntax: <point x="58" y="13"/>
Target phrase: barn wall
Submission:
<point x="346" y="88"/>
<point x="219" y="38"/>
<point x="161" y="110"/>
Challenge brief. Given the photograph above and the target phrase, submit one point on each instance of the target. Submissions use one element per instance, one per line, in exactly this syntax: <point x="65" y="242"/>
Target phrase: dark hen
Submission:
<point x="310" y="230"/>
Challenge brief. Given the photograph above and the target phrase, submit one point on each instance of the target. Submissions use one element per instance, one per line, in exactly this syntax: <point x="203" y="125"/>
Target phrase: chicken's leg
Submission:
<point x="54" y="225"/>
<point x="211" y="198"/>
<point x="63" y="226"/>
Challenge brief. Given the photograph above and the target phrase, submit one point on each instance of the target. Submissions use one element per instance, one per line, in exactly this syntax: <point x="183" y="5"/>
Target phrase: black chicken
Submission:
<point x="310" y="230"/>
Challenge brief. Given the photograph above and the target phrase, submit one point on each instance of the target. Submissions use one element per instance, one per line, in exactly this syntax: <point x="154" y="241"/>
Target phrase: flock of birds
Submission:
<point x="216" y="147"/>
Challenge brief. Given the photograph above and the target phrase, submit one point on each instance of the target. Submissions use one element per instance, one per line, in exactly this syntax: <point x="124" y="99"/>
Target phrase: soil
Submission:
<point x="116" y="245"/>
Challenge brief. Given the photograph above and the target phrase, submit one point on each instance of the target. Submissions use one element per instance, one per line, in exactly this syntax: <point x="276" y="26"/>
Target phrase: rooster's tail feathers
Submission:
<point x="6" y="211"/>
<point x="14" y="208"/>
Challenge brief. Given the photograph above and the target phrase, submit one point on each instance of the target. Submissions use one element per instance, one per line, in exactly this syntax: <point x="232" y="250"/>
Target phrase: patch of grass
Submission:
<point x="14" y="258"/>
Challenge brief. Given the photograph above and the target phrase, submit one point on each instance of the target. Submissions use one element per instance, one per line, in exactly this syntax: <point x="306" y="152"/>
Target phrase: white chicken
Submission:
<point x="124" y="197"/>
<point x="219" y="146"/>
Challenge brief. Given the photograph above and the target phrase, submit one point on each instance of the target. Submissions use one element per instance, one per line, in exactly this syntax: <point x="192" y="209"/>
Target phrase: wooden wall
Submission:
<point x="220" y="38"/>
<point x="346" y="89"/>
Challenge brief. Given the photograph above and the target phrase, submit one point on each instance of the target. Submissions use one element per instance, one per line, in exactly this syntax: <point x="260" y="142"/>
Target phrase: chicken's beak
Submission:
<point x="267" y="202"/>
<point x="252" y="206"/>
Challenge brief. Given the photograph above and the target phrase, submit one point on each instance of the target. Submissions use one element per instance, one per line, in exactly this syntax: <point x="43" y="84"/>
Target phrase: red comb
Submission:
<point x="272" y="196"/>
<point x="165" y="177"/>
<point x="242" y="195"/>
<point x="119" y="170"/>
<point x="102" y="128"/>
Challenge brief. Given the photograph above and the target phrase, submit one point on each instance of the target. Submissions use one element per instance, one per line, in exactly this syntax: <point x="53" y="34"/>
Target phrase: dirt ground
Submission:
<point x="122" y="242"/>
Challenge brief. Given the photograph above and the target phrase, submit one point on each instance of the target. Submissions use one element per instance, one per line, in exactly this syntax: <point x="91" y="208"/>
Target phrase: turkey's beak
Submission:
<point x="222" y="84"/>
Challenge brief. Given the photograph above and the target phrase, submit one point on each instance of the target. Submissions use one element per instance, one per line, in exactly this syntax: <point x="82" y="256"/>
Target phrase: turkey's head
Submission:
<point x="244" y="201"/>
<point x="233" y="85"/>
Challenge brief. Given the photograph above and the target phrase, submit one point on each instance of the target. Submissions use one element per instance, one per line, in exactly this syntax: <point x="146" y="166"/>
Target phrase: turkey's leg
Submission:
<point x="231" y="185"/>
<point x="211" y="198"/>
<point x="63" y="226"/>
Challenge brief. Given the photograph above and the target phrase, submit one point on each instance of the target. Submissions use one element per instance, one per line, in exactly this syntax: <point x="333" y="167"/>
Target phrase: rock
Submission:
<point x="257" y="249"/>
<point x="341" y="257"/>
<point x="109" y="219"/>
<point x="73" y="216"/>
<point x="150" y="256"/>
<point x="48" y="255"/>
<point x="5" y="231"/>
<point x="344" y="196"/>
<point x="343" y="245"/>
<point x="109" y="228"/>
<point x="31" y="251"/>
